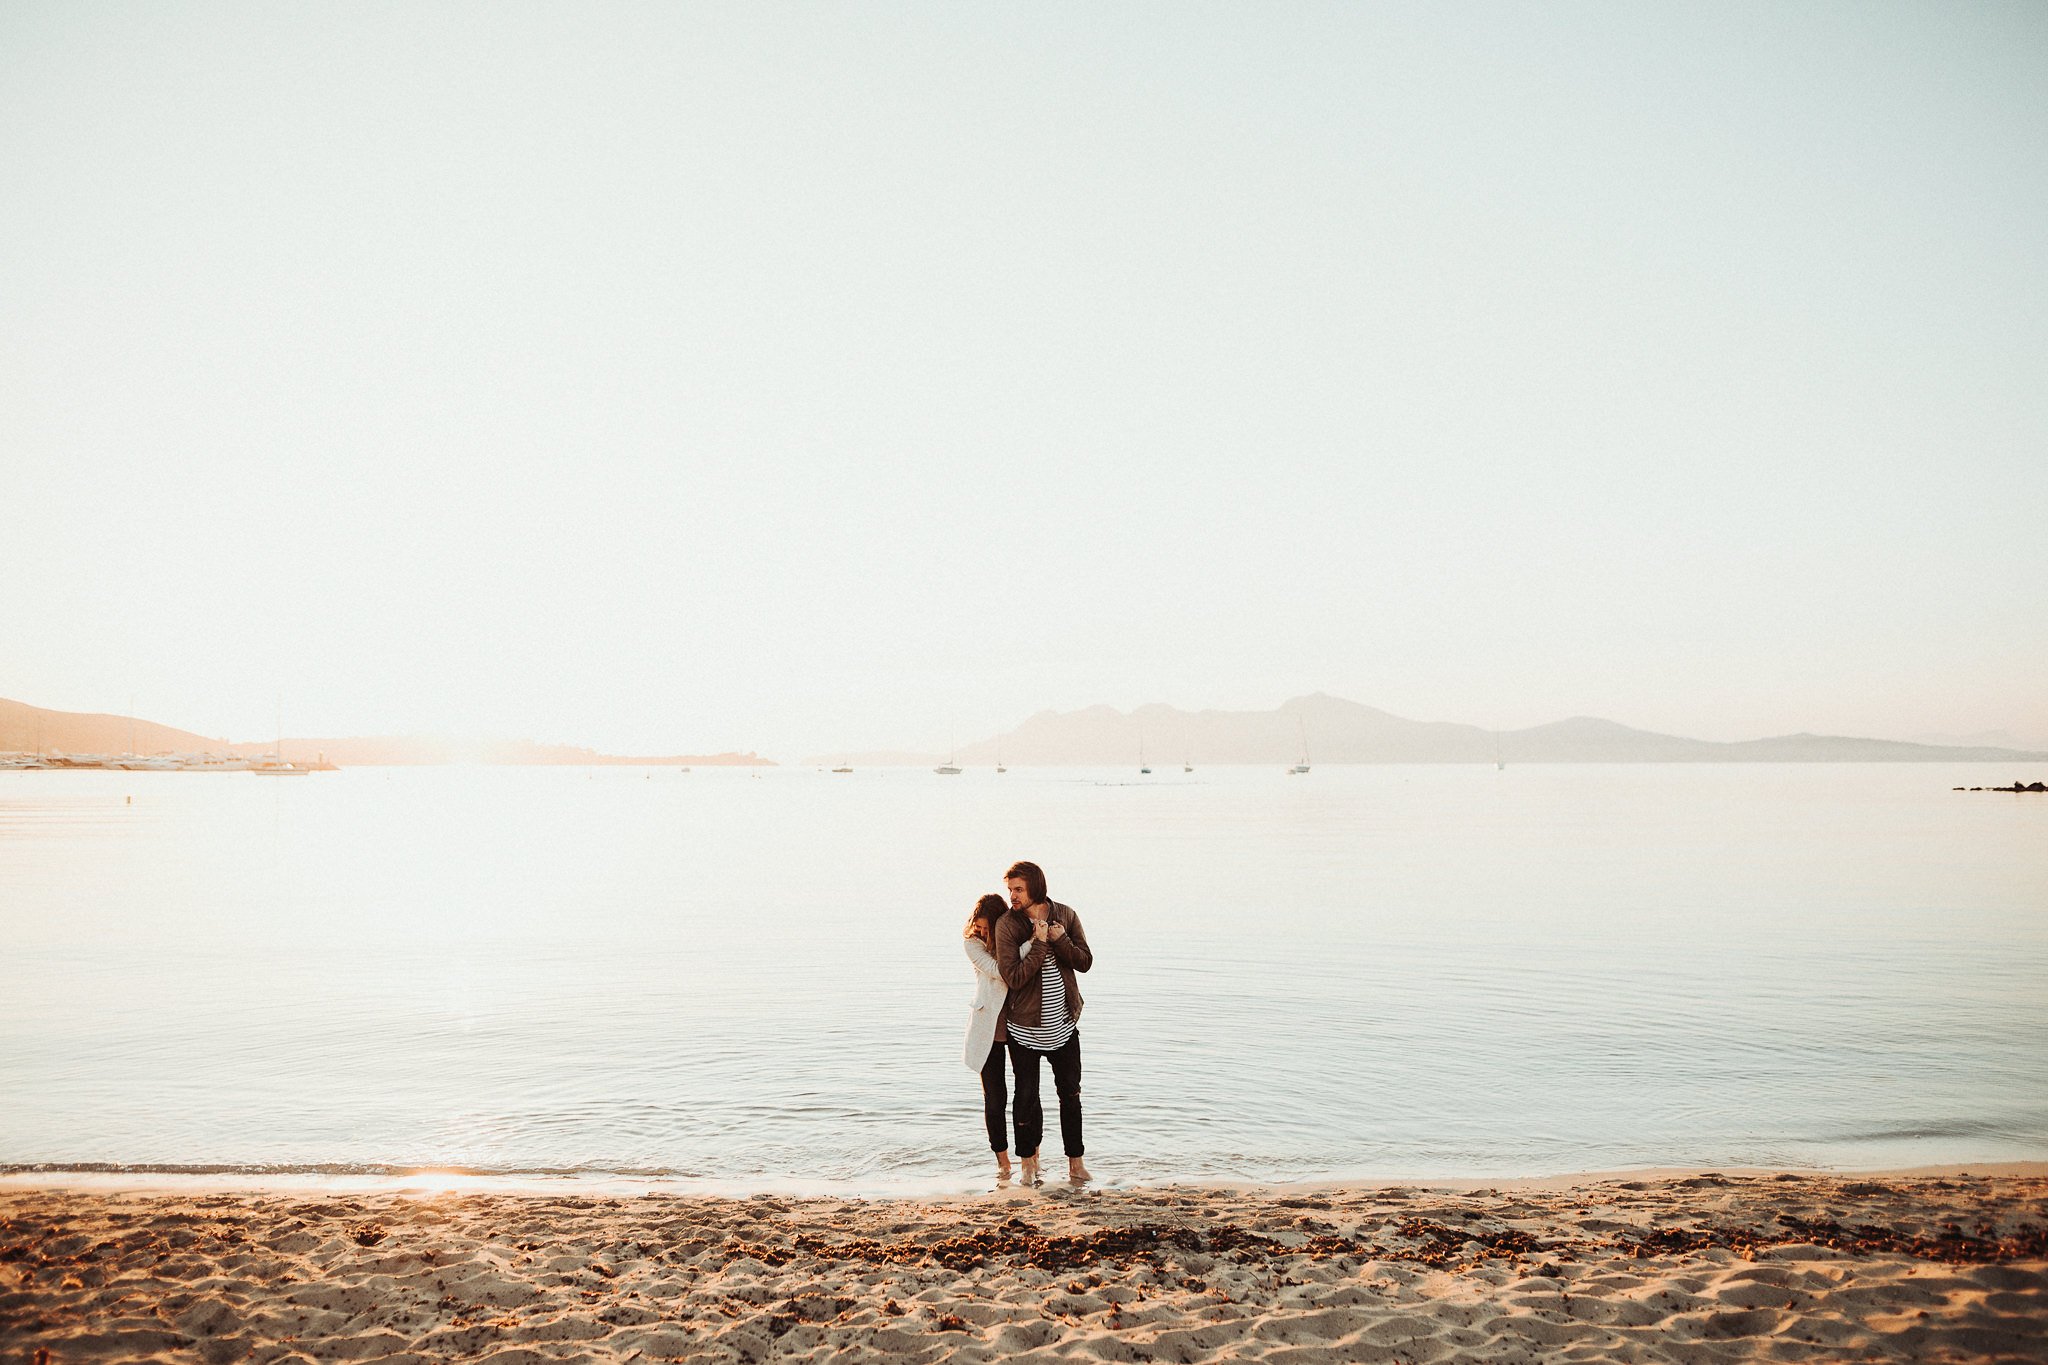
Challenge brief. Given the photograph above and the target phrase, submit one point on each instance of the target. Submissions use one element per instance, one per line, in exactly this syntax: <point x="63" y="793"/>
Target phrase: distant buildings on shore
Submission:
<point x="153" y="763"/>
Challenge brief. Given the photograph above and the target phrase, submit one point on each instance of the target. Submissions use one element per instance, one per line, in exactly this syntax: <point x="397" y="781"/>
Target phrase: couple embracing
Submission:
<point x="1026" y="952"/>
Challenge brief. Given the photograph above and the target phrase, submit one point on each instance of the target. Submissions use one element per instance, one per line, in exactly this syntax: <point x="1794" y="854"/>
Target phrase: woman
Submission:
<point x="985" y="1033"/>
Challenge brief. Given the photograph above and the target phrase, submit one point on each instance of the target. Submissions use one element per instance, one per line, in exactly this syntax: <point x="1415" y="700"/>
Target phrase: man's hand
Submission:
<point x="1056" y="933"/>
<point x="1040" y="930"/>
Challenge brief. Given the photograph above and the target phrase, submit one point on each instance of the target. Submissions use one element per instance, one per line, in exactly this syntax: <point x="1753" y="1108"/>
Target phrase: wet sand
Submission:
<point x="1673" y="1268"/>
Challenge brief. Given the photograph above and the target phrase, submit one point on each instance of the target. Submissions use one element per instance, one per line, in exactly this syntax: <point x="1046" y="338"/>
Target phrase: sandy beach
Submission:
<point x="1688" y="1268"/>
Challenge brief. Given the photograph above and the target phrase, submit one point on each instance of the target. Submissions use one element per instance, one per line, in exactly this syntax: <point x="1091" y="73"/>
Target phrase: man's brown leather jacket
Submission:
<point x="1021" y="958"/>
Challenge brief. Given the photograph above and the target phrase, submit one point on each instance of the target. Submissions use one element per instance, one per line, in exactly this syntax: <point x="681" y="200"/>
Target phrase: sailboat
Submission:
<point x="1499" y="764"/>
<point x="845" y="766"/>
<point x="999" y="758"/>
<point x="274" y="765"/>
<point x="1301" y="768"/>
<point x="1143" y="767"/>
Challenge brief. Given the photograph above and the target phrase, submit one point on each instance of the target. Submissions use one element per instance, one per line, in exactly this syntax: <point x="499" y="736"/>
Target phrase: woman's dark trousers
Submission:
<point x="1066" y="1079"/>
<point x="995" y="1097"/>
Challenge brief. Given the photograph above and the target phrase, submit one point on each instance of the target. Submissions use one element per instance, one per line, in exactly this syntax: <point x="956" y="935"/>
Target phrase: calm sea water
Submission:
<point x="758" y="979"/>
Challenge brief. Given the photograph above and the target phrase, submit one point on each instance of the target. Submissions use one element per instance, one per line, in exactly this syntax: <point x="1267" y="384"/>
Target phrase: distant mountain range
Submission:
<point x="1339" y="731"/>
<point x="31" y="729"/>
<point x="1336" y="731"/>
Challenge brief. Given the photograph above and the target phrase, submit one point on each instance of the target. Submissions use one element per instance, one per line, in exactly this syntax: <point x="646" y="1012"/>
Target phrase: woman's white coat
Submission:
<point x="989" y="994"/>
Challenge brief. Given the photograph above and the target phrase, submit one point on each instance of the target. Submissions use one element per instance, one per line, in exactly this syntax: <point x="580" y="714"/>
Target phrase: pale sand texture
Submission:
<point x="1705" y="1268"/>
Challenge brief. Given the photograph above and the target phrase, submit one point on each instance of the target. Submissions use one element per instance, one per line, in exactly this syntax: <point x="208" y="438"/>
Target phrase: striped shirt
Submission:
<point x="1055" y="1026"/>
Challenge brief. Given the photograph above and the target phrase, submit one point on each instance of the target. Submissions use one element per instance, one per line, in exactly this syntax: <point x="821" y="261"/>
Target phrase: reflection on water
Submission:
<point x="1380" y="971"/>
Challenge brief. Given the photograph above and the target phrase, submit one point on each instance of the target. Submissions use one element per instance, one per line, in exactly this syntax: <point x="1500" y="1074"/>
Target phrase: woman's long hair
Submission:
<point x="982" y="923"/>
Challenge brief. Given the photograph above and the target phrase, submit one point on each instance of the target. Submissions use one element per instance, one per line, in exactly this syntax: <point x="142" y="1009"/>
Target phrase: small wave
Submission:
<point x="337" y="1168"/>
<point x="1953" y="1128"/>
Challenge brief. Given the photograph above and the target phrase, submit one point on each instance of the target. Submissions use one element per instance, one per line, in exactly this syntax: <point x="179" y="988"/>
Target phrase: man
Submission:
<point x="1039" y="947"/>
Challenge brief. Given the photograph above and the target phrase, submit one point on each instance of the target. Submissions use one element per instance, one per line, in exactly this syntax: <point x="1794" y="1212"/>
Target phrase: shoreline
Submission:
<point x="168" y="1178"/>
<point x="1633" y="1266"/>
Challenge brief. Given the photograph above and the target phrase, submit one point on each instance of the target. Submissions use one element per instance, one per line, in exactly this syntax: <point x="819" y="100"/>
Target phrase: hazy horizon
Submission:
<point x="782" y="378"/>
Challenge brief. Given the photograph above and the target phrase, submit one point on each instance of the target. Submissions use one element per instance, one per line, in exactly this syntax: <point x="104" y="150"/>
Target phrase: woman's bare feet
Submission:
<point x="1076" y="1172"/>
<point x="1002" y="1168"/>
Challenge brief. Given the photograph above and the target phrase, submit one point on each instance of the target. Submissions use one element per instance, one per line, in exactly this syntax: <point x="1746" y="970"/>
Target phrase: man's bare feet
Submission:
<point x="1030" y="1171"/>
<point x="1076" y="1172"/>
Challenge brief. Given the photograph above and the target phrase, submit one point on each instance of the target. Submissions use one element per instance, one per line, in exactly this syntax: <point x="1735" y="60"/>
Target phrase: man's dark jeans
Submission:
<point x="1066" y="1079"/>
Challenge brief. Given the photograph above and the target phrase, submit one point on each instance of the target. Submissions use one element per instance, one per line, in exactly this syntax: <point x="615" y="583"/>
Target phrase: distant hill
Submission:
<point x="28" y="729"/>
<point x="1340" y="731"/>
<point x="1992" y="739"/>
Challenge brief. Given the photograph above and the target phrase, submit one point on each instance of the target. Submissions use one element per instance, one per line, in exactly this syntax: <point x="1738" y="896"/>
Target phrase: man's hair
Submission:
<point x="1033" y="878"/>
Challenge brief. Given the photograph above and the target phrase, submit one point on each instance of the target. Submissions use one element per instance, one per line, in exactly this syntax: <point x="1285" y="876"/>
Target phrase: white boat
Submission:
<point x="1301" y="768"/>
<point x="947" y="770"/>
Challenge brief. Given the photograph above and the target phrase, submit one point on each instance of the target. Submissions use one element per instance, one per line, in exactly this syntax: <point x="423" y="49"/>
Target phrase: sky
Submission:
<point x="679" y="378"/>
